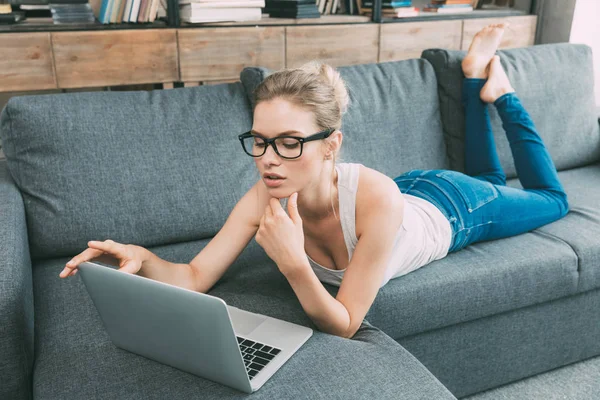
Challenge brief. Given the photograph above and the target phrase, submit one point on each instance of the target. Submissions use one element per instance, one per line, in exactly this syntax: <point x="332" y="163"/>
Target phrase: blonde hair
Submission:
<point x="316" y="87"/>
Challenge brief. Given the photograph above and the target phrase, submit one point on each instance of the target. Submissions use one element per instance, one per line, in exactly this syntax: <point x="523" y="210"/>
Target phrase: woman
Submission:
<point x="349" y="221"/>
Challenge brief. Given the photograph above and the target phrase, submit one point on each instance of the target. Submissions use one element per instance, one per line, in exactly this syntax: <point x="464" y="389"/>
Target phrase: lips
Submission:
<point x="272" y="175"/>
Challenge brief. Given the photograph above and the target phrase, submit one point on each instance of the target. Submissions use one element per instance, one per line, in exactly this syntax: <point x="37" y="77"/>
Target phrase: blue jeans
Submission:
<point x="478" y="204"/>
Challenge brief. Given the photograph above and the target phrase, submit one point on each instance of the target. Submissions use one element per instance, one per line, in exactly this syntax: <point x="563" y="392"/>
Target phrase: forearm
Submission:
<point x="156" y="268"/>
<point x="325" y="311"/>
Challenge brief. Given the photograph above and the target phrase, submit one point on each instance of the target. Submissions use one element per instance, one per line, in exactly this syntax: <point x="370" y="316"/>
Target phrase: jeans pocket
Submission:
<point x="475" y="193"/>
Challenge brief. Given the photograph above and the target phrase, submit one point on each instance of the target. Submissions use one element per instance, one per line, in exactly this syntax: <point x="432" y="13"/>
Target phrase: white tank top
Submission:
<point x="424" y="236"/>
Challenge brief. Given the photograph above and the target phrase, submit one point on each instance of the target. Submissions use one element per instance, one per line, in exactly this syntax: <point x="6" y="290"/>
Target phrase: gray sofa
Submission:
<point x="163" y="169"/>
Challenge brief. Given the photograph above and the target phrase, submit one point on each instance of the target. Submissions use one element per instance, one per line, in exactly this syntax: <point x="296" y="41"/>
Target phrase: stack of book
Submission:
<point x="390" y="8"/>
<point x="292" y="8"/>
<point x="202" y="11"/>
<point x="71" y="12"/>
<point x="327" y="7"/>
<point x="449" y="6"/>
<point x="118" y="11"/>
<point x="7" y="16"/>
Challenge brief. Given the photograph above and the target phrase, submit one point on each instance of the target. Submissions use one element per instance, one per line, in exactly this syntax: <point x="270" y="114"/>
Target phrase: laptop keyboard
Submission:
<point x="256" y="355"/>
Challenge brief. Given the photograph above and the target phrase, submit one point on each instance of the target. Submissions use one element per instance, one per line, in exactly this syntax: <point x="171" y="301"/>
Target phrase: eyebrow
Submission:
<point x="279" y="134"/>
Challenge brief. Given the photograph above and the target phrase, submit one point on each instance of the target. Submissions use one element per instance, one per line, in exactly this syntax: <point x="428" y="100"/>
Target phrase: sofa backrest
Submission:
<point x="145" y="168"/>
<point x="555" y="83"/>
<point x="393" y="121"/>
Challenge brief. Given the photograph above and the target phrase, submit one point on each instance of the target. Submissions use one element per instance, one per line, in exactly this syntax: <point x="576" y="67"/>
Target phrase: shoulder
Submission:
<point x="377" y="197"/>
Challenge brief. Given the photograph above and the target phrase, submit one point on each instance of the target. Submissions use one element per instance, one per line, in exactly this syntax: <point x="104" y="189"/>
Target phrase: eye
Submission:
<point x="258" y="142"/>
<point x="291" y="143"/>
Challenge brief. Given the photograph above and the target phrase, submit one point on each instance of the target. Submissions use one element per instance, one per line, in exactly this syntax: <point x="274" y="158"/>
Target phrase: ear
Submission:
<point x="337" y="139"/>
<point x="334" y="143"/>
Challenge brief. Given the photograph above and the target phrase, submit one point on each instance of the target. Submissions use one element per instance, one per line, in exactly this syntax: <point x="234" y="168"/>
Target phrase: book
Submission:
<point x="450" y="2"/>
<point x="448" y="5"/>
<point x="153" y="10"/>
<point x="293" y="14"/>
<point x="386" y="4"/>
<point x="220" y="14"/>
<point x="135" y="9"/>
<point x="126" y="11"/>
<point x="398" y="12"/>
<point x="448" y="10"/>
<point x="228" y="4"/>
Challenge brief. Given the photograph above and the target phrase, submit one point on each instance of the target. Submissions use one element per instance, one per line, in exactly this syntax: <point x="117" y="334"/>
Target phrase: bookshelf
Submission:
<point x="42" y="57"/>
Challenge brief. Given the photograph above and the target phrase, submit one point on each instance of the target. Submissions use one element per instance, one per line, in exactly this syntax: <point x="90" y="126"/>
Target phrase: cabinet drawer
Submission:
<point x="520" y="33"/>
<point x="336" y="45"/>
<point x="401" y="41"/>
<point x="222" y="53"/>
<point x="26" y="62"/>
<point x="85" y="59"/>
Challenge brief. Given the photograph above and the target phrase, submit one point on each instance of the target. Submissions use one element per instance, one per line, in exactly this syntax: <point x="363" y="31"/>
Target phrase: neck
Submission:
<point x="314" y="202"/>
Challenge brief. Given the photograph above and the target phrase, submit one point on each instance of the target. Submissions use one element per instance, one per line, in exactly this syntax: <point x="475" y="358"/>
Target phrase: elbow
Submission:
<point x="349" y="334"/>
<point x="350" y="331"/>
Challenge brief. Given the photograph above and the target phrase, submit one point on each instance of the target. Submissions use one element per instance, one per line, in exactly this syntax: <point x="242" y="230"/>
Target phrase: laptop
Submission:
<point x="191" y="331"/>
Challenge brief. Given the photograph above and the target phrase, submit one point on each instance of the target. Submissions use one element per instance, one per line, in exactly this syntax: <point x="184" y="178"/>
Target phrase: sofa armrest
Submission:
<point x="16" y="293"/>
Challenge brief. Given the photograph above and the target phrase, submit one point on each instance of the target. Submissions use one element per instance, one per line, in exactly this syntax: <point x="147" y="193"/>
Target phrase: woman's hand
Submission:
<point x="130" y="256"/>
<point x="282" y="236"/>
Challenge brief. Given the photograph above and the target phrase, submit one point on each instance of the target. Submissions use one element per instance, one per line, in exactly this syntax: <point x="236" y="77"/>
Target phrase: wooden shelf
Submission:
<point x="218" y="52"/>
<point x="46" y="24"/>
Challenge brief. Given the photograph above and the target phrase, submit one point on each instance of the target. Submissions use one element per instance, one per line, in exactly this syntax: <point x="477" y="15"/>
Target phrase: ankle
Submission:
<point x="503" y="97"/>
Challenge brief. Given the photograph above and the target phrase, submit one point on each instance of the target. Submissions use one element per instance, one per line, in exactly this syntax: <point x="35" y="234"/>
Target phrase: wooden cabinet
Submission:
<point x="520" y="32"/>
<point x="26" y="62"/>
<point x="408" y="40"/>
<point x="218" y="53"/>
<point x="338" y="45"/>
<point x="105" y="58"/>
<point x="222" y="53"/>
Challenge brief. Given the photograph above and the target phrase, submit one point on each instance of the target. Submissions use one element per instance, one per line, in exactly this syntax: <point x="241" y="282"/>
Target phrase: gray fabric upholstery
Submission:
<point x="16" y="294"/>
<point x="393" y="120"/>
<point x="580" y="228"/>
<point x="75" y="358"/>
<point x="482" y="279"/>
<point x="251" y="77"/>
<point x="130" y="166"/>
<point x="555" y="85"/>
<point x="488" y="352"/>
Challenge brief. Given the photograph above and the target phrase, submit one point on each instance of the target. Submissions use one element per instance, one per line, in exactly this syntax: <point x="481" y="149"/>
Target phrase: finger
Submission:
<point x="109" y="246"/>
<point x="268" y="211"/>
<point x="85" y="255"/>
<point x="276" y="208"/>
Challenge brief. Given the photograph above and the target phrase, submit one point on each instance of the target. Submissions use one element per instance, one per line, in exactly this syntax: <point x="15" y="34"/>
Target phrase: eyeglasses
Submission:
<point x="288" y="147"/>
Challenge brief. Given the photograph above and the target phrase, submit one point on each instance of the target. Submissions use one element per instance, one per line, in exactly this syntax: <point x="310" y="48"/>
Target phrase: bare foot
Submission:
<point x="482" y="49"/>
<point x="497" y="83"/>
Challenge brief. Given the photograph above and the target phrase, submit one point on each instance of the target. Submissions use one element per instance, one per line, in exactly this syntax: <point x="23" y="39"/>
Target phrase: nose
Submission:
<point x="270" y="154"/>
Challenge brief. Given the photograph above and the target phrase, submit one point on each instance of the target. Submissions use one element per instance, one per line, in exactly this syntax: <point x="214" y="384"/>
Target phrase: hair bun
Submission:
<point x="332" y="77"/>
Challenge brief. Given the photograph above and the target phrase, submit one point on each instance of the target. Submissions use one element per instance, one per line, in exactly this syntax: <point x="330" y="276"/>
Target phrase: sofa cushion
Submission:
<point x="76" y="359"/>
<point x="137" y="167"/>
<point x="483" y="279"/>
<point x="555" y="85"/>
<point x="393" y="120"/>
<point x="580" y="228"/>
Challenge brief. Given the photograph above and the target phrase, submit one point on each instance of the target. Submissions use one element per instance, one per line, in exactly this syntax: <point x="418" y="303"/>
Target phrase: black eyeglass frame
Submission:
<point x="317" y="136"/>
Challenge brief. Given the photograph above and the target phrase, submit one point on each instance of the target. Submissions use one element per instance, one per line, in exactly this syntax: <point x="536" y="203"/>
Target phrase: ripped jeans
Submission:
<point x="478" y="203"/>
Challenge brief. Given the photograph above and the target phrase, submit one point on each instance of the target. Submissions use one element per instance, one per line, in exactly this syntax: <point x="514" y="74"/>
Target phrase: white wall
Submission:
<point x="586" y="29"/>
